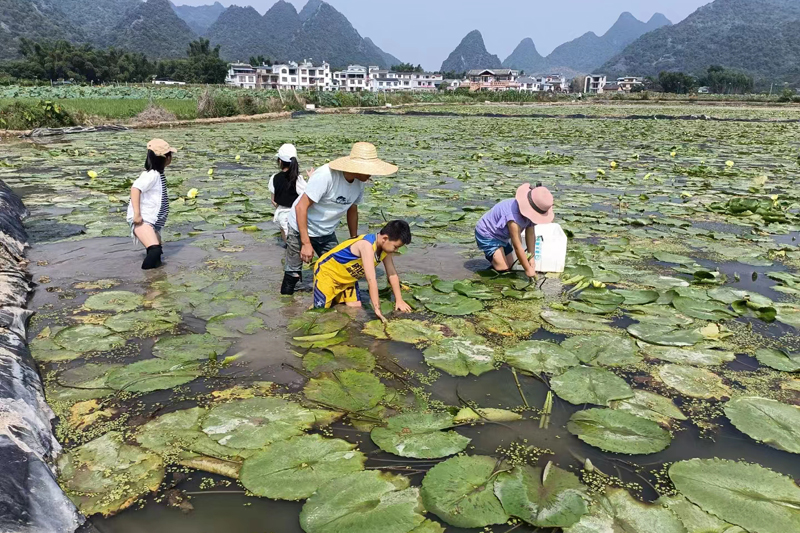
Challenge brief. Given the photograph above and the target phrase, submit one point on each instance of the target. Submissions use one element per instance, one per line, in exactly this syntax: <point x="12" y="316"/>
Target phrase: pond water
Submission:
<point x="625" y="190"/>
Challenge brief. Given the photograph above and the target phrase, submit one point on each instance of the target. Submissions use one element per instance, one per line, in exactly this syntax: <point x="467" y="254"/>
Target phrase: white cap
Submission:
<point x="287" y="152"/>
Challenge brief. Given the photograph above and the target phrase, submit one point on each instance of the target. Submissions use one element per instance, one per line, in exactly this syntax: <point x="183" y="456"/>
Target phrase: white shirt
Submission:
<point x="149" y="182"/>
<point x="332" y="195"/>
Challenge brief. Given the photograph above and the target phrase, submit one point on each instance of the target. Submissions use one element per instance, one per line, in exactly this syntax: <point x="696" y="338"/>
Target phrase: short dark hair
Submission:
<point x="154" y="162"/>
<point x="397" y="230"/>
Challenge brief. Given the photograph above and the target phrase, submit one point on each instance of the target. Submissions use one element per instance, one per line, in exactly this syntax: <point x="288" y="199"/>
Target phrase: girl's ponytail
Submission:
<point x="294" y="173"/>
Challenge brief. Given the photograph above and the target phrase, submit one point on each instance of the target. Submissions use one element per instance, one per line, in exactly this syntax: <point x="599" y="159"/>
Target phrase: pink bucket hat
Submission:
<point x="535" y="204"/>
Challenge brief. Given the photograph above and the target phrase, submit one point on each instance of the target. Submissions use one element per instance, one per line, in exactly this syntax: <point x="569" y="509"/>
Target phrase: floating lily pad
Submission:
<point x="549" y="497"/>
<point x="575" y="321"/>
<point x="180" y="432"/>
<point x="367" y="502"/>
<point x="637" y="297"/>
<point x="190" y="348"/>
<point x="746" y="495"/>
<point x="779" y="359"/>
<point x="318" y="323"/>
<point x="88" y="338"/>
<point x="650" y="405"/>
<point x="583" y="384"/>
<point x="428" y="527"/>
<point x="667" y="257"/>
<point x="152" y="375"/>
<point x="255" y="422"/>
<point x="601" y="297"/>
<point x="618" y="431"/>
<point x="455" y="305"/>
<point x="460" y="492"/>
<point x="694" y="356"/>
<point x="47" y="351"/>
<point x="350" y="390"/>
<point x="143" y="323"/>
<point x="419" y="435"/>
<point x="694" y="382"/>
<point x="118" y="301"/>
<point x="475" y="290"/>
<point x="704" y="310"/>
<point x="694" y="519"/>
<point x="618" y="512"/>
<point x="603" y="349"/>
<point x="295" y="469"/>
<point x="507" y="327"/>
<point x="769" y="421"/>
<point x="487" y="414"/>
<point x="106" y="475"/>
<point x="337" y="358"/>
<point x="461" y="356"/>
<point x="539" y="357"/>
<point x="661" y="335"/>
<point x="413" y="331"/>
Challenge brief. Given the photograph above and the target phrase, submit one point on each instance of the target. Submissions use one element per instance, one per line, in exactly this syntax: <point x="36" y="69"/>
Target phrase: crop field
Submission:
<point x="650" y="388"/>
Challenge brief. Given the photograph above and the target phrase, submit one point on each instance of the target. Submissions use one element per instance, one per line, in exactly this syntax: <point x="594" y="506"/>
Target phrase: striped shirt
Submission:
<point x="163" y="212"/>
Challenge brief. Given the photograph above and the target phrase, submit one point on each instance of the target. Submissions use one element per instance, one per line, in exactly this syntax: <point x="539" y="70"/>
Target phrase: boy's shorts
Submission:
<point x="328" y="293"/>
<point x="489" y="246"/>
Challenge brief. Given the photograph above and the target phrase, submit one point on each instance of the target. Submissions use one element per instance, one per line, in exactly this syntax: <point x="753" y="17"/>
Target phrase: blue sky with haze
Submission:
<point x="426" y="31"/>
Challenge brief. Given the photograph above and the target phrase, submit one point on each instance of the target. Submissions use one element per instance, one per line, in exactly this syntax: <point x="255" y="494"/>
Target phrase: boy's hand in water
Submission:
<point x="381" y="317"/>
<point x="402" y="307"/>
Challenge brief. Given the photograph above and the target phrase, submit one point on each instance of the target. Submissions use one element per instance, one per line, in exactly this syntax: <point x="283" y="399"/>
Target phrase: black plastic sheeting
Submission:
<point x="30" y="498"/>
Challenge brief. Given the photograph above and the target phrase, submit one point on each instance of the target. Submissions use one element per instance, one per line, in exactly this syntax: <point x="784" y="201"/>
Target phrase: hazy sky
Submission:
<point x="426" y="31"/>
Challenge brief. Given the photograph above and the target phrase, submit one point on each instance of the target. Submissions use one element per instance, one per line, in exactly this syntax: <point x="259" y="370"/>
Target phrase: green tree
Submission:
<point x="720" y="80"/>
<point x="677" y="82"/>
<point x="407" y="67"/>
<point x="260" y="60"/>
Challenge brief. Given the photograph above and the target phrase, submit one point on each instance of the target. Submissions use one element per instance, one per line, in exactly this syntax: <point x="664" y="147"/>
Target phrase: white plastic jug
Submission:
<point x="551" y="248"/>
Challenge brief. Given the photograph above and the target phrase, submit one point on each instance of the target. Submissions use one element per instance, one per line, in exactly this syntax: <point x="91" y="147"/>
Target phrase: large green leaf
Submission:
<point x="118" y="301"/>
<point x="575" y="321"/>
<point x="704" y="310"/>
<point x="475" y="290"/>
<point x="694" y="356"/>
<point x="350" y="390"/>
<point x="618" y="512"/>
<point x="460" y="492"/>
<point x="335" y="358"/>
<point x="366" y="502"/>
<point x="495" y="323"/>
<point x="106" y="475"/>
<point x="618" y="431"/>
<point x="548" y="497"/>
<point x="637" y="297"/>
<point x="461" y="356"/>
<point x="429" y="527"/>
<point x="590" y="385"/>
<point x="190" y="348"/>
<point x="411" y="331"/>
<point x="603" y="349"/>
<point x="694" y="382"/>
<point x="779" y="359"/>
<point x="651" y="406"/>
<point x="295" y="469"/>
<point x="769" y="421"/>
<point x="742" y="494"/>
<point x="318" y="323"/>
<point x="455" y="305"/>
<point x="539" y="357"/>
<point x="143" y="323"/>
<point x="255" y="422"/>
<point x="153" y="374"/>
<point x="180" y="433"/>
<point x="601" y="297"/>
<point x="664" y="335"/>
<point x="419" y="435"/>
<point x="88" y="338"/>
<point x="694" y="519"/>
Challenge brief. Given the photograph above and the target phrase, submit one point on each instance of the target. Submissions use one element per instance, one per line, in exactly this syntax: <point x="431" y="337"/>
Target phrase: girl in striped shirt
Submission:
<point x="149" y="205"/>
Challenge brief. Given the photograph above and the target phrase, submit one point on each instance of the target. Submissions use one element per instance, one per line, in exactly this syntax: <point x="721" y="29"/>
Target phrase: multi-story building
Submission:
<point x="555" y="83"/>
<point x="501" y="79"/>
<point x="241" y="75"/>
<point x="354" y="79"/>
<point x="294" y="76"/>
<point x="594" y="84"/>
<point x="628" y="83"/>
<point x="388" y="80"/>
<point x="529" y="84"/>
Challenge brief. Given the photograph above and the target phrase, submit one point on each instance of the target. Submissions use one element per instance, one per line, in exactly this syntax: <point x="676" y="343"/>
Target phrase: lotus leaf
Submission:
<point x="618" y="512"/>
<point x="694" y="382"/>
<point x="667" y="257"/>
<point x="255" y="422"/>
<point x="529" y="294"/>
<point x="230" y="326"/>
<point x="367" y="502"/>
<point x="662" y="282"/>
<point x="295" y="469"/>
<point x="47" y="351"/>
<point x="153" y="374"/>
<point x="637" y="297"/>
<point x="314" y="342"/>
<point x="143" y="323"/>
<point x="337" y="358"/>
<point x="779" y="359"/>
<point x="106" y="475"/>
<point x="414" y="331"/>
<point x="746" y="495"/>
<point x="788" y="314"/>
<point x="495" y="323"/>
<point x="419" y="435"/>
<point x="349" y="390"/>
<point x="618" y="431"/>
<point x="583" y="384"/>
<point x="603" y="349"/>
<point x="475" y="290"/>
<point x="769" y="421"/>
<point x="575" y="321"/>
<point x="445" y="287"/>
<point x="728" y="296"/>
<point x="460" y="492"/>
<point x="88" y="338"/>
<point x="593" y="309"/>
<point x="461" y="356"/>
<point x="118" y="301"/>
<point x="704" y="310"/>
<point x="694" y="356"/>
<point x="318" y="322"/>
<point x="650" y="405"/>
<point x="664" y="335"/>
<point x="539" y="357"/>
<point x="180" y="431"/>
<point x="601" y="297"/>
<point x="190" y="348"/>
<point x="429" y="527"/>
<point x="455" y="305"/>
<point x="694" y="519"/>
<point x="549" y="497"/>
<point x="426" y="294"/>
<point x="375" y="328"/>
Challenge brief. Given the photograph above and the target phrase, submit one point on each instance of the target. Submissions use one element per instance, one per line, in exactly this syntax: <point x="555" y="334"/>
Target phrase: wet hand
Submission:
<point x="402" y="307"/>
<point x="531" y="272"/>
<point x="307" y="253"/>
<point x="381" y="317"/>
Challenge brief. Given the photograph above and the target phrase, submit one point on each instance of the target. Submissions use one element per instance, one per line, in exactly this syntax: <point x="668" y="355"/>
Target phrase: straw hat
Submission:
<point x="160" y="147"/>
<point x="535" y="204"/>
<point x="363" y="159"/>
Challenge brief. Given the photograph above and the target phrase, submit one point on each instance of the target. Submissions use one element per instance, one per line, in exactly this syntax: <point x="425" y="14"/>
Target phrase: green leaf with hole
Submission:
<point x="650" y="405"/>
<point x="420" y="436"/>
<point x="664" y="335"/>
<point x="617" y="511"/>
<point x="637" y="297"/>
<point x="603" y="349"/>
<point x="455" y="305"/>
<point x="694" y="356"/>
<point x="143" y="323"/>
<point x="349" y="390"/>
<point x="335" y="358"/>
<point x="702" y="309"/>
<point x="152" y="375"/>
<point x="87" y="338"/>
<point x="190" y="348"/>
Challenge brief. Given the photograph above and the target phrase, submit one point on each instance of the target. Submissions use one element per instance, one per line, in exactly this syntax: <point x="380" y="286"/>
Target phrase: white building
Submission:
<point x="354" y="79"/>
<point x="529" y="84"/>
<point x="555" y="83"/>
<point x="629" y="83"/>
<point x="501" y="79"/>
<point x="294" y="76"/>
<point x="241" y="75"/>
<point x="388" y="80"/>
<point x="594" y="84"/>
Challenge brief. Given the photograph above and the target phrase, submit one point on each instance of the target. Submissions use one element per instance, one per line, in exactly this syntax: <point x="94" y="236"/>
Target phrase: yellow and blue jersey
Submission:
<point x="337" y="272"/>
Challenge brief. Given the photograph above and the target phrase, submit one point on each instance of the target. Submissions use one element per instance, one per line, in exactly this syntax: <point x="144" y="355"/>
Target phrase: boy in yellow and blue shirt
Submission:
<point x="337" y="272"/>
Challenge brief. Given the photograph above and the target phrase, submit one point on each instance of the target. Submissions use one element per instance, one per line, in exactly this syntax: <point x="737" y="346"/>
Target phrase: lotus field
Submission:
<point x="651" y="388"/>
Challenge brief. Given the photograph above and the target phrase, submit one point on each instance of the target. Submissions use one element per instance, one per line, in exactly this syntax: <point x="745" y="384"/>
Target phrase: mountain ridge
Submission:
<point x="470" y="54"/>
<point x="199" y="18"/>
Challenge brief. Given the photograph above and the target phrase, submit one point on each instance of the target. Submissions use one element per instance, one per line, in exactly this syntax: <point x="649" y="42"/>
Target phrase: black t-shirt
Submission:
<point x="285" y="195"/>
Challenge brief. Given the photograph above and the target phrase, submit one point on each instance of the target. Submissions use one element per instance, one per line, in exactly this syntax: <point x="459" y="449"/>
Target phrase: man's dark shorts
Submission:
<point x="293" y="263"/>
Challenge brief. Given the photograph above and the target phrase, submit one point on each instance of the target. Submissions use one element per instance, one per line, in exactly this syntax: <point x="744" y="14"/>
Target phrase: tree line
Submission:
<point x="62" y="60"/>
<point x="719" y="80"/>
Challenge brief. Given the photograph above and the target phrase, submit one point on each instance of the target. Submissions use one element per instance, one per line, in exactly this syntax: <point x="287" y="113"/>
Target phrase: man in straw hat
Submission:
<point x="333" y="190"/>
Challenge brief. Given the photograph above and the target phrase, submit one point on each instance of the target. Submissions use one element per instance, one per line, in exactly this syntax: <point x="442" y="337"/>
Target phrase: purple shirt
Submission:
<point x="494" y="224"/>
